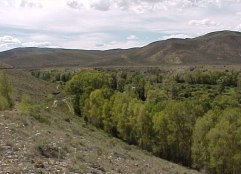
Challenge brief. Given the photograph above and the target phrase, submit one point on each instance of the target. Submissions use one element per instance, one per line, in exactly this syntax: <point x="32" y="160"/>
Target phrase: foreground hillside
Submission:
<point x="218" y="48"/>
<point x="50" y="139"/>
<point x="190" y="117"/>
<point x="5" y="66"/>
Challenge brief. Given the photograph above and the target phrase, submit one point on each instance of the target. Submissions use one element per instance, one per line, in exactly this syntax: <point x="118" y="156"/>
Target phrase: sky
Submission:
<point x="109" y="24"/>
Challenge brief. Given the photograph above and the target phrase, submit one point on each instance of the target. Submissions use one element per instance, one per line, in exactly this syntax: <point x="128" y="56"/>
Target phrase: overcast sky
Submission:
<point x="106" y="24"/>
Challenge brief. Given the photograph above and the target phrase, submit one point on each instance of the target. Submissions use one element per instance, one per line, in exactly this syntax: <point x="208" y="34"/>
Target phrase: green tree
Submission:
<point x="109" y="125"/>
<point x="113" y="81"/>
<point x="94" y="106"/>
<point x="160" y="145"/>
<point x="216" y="141"/>
<point x="203" y="125"/>
<point x="142" y="123"/>
<point x="82" y="84"/>
<point x="171" y="88"/>
<point x="224" y="143"/>
<point x="121" y="115"/>
<point x="179" y="119"/>
<point x="139" y="83"/>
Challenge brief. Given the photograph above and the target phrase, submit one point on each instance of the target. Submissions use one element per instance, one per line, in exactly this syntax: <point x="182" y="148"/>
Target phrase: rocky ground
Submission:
<point x="67" y="145"/>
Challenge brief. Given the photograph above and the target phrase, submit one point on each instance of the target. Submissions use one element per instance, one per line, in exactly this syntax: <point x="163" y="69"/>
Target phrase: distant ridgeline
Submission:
<point x="192" y="118"/>
<point x="217" y="48"/>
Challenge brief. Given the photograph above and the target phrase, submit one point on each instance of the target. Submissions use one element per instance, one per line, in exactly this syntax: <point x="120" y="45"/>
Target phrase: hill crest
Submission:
<point x="216" y="48"/>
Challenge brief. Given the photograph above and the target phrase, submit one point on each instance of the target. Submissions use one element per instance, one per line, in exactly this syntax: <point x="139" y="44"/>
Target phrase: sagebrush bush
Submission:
<point x="3" y="103"/>
<point x="27" y="107"/>
<point x="6" y="101"/>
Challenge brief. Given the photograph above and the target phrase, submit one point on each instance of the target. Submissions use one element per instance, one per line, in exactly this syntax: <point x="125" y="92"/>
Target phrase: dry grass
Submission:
<point x="71" y="147"/>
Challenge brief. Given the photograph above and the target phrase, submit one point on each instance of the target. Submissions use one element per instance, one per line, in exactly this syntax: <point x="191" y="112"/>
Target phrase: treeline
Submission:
<point x="52" y="75"/>
<point x="6" y="101"/>
<point x="228" y="78"/>
<point x="192" y="118"/>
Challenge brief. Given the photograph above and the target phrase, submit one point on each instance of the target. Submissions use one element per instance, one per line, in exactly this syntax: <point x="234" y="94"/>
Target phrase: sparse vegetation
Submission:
<point x="6" y="101"/>
<point x="50" y="150"/>
<point x="26" y="106"/>
<point x="203" y="50"/>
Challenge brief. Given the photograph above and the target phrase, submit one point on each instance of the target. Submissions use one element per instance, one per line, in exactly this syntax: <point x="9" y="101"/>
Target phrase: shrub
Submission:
<point x="5" y="93"/>
<point x="27" y="107"/>
<point x="3" y="103"/>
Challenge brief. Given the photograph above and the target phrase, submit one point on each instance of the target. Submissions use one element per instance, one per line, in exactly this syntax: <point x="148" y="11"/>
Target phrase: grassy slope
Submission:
<point x="55" y="141"/>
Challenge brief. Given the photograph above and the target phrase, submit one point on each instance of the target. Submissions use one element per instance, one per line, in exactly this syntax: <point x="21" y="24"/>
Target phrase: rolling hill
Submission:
<point x="217" y="48"/>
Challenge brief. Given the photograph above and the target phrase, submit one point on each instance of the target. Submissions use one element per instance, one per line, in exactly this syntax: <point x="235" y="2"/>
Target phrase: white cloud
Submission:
<point x="3" y="47"/>
<point x="132" y="37"/>
<point x="96" y="23"/>
<point x="31" y="4"/>
<point x="155" y="5"/>
<point x="100" y="41"/>
<point x="238" y="28"/>
<point x="204" y="22"/>
<point x="218" y="3"/>
<point x="102" y="5"/>
<point x="142" y="6"/>
<point x="183" y="36"/>
<point x="9" y="40"/>
<point x="39" y="44"/>
<point x="21" y="3"/>
<point x="87" y="41"/>
<point x="74" y="4"/>
<point x="123" y="45"/>
<point x="238" y="13"/>
<point x="6" y="3"/>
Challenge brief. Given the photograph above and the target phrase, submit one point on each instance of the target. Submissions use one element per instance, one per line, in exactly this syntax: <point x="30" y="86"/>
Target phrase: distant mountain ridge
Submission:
<point x="216" y="48"/>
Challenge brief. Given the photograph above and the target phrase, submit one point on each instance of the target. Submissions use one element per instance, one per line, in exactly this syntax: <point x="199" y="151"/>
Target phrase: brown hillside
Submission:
<point x="5" y="66"/>
<point x="217" y="48"/>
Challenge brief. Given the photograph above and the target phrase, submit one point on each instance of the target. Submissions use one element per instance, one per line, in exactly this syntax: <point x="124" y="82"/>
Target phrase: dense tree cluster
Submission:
<point x="193" y="118"/>
<point x="52" y="75"/>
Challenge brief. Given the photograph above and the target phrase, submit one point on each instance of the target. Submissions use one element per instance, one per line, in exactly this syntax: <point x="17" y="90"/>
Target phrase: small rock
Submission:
<point x="39" y="165"/>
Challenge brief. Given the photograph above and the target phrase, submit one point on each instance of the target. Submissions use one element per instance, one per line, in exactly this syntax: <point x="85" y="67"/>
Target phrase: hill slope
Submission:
<point x="5" y="66"/>
<point x="55" y="141"/>
<point x="217" y="48"/>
